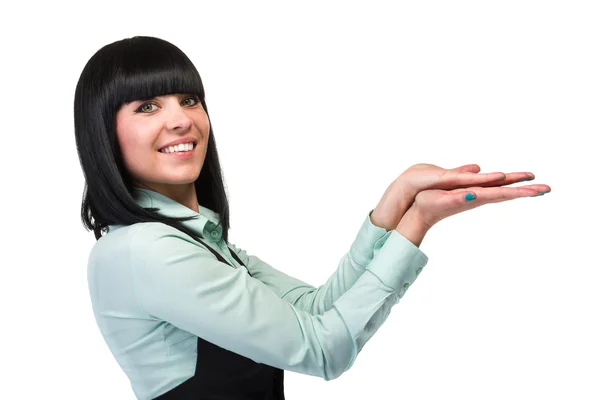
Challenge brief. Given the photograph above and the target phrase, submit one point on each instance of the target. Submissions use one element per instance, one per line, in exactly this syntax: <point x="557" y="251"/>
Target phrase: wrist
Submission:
<point x="393" y="205"/>
<point x="412" y="228"/>
<point x="381" y="221"/>
<point x="406" y="196"/>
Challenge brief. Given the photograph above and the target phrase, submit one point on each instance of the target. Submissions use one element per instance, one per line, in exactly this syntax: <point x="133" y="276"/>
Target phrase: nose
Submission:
<point x="177" y="119"/>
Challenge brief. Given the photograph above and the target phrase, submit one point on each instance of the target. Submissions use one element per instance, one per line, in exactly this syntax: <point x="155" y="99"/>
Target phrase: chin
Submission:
<point x="182" y="181"/>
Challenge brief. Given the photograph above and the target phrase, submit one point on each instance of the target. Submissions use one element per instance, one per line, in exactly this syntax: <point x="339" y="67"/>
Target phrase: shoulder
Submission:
<point x="121" y="239"/>
<point x="145" y="246"/>
<point x="155" y="243"/>
<point x="150" y="234"/>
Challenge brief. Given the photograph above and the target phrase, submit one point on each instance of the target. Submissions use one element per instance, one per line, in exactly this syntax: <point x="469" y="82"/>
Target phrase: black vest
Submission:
<point x="224" y="375"/>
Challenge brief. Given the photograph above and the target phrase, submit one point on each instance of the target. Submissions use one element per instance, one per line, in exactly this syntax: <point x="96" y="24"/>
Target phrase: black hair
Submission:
<point x="140" y="67"/>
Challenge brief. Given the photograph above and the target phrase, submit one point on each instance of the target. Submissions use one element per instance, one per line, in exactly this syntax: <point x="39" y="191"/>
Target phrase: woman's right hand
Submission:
<point x="431" y="206"/>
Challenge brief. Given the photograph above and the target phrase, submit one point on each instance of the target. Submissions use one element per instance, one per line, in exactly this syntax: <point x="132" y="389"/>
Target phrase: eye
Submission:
<point x="195" y="98"/>
<point x="142" y="108"/>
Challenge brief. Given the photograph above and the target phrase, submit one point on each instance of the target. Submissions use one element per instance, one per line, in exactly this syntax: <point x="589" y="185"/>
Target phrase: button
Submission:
<point x="406" y="286"/>
<point x="419" y="270"/>
<point x="214" y="234"/>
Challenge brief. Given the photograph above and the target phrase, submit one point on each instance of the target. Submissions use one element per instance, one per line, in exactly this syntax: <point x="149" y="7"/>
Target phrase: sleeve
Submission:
<point x="178" y="280"/>
<point x="306" y="297"/>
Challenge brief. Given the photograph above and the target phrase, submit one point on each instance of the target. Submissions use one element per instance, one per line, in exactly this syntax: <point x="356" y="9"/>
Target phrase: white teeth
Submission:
<point x="179" y="147"/>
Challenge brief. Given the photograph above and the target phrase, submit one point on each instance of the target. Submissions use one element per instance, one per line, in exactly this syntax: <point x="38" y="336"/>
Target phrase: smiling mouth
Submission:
<point x="185" y="149"/>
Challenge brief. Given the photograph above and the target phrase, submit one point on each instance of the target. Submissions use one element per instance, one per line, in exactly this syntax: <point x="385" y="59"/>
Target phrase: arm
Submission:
<point x="306" y="297"/>
<point x="179" y="281"/>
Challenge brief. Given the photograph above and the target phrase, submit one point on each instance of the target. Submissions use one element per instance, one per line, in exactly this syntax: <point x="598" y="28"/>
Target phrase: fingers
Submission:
<point x="453" y="179"/>
<point x="511" y="178"/>
<point x="459" y="200"/>
<point x="485" y="195"/>
<point x="435" y="205"/>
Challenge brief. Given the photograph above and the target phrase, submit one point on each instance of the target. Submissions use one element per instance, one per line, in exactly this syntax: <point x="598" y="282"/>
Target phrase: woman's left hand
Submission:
<point x="401" y="194"/>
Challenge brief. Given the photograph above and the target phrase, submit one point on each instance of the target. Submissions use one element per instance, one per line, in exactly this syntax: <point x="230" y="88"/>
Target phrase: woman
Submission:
<point x="188" y="315"/>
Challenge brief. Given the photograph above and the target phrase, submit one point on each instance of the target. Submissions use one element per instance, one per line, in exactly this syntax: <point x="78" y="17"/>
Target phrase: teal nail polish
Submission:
<point x="540" y="194"/>
<point x="470" y="197"/>
<point x="501" y="178"/>
<point x="525" y="179"/>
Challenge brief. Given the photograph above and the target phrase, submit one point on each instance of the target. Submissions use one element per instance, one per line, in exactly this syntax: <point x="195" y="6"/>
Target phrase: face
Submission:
<point x="145" y="127"/>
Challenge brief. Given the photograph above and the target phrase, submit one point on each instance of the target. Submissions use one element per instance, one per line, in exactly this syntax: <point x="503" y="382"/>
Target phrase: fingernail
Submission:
<point x="540" y="194"/>
<point x="501" y="178"/>
<point x="525" y="179"/>
<point x="470" y="197"/>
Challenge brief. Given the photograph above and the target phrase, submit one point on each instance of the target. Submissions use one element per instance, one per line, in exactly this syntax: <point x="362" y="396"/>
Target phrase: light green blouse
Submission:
<point x="154" y="290"/>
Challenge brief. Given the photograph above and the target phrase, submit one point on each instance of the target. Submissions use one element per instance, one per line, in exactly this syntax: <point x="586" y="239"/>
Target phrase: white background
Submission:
<point x="316" y="108"/>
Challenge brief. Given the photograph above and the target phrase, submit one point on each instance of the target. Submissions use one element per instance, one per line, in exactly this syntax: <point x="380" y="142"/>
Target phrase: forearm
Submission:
<point x="317" y="300"/>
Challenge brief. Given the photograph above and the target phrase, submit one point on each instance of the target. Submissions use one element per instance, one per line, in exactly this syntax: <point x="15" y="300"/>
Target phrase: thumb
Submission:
<point x="460" y="197"/>
<point x="454" y="201"/>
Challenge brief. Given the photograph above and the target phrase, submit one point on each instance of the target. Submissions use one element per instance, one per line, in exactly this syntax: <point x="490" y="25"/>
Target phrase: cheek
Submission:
<point x="202" y="122"/>
<point x="137" y="151"/>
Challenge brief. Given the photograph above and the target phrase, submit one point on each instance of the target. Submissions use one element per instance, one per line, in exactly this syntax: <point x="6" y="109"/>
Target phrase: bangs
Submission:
<point x="147" y="67"/>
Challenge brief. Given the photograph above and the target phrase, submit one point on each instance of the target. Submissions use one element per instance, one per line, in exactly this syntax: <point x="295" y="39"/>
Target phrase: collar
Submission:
<point x="205" y="223"/>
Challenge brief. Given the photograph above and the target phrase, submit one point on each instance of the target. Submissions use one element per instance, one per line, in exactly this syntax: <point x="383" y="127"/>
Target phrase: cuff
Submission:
<point x="398" y="262"/>
<point x="369" y="236"/>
